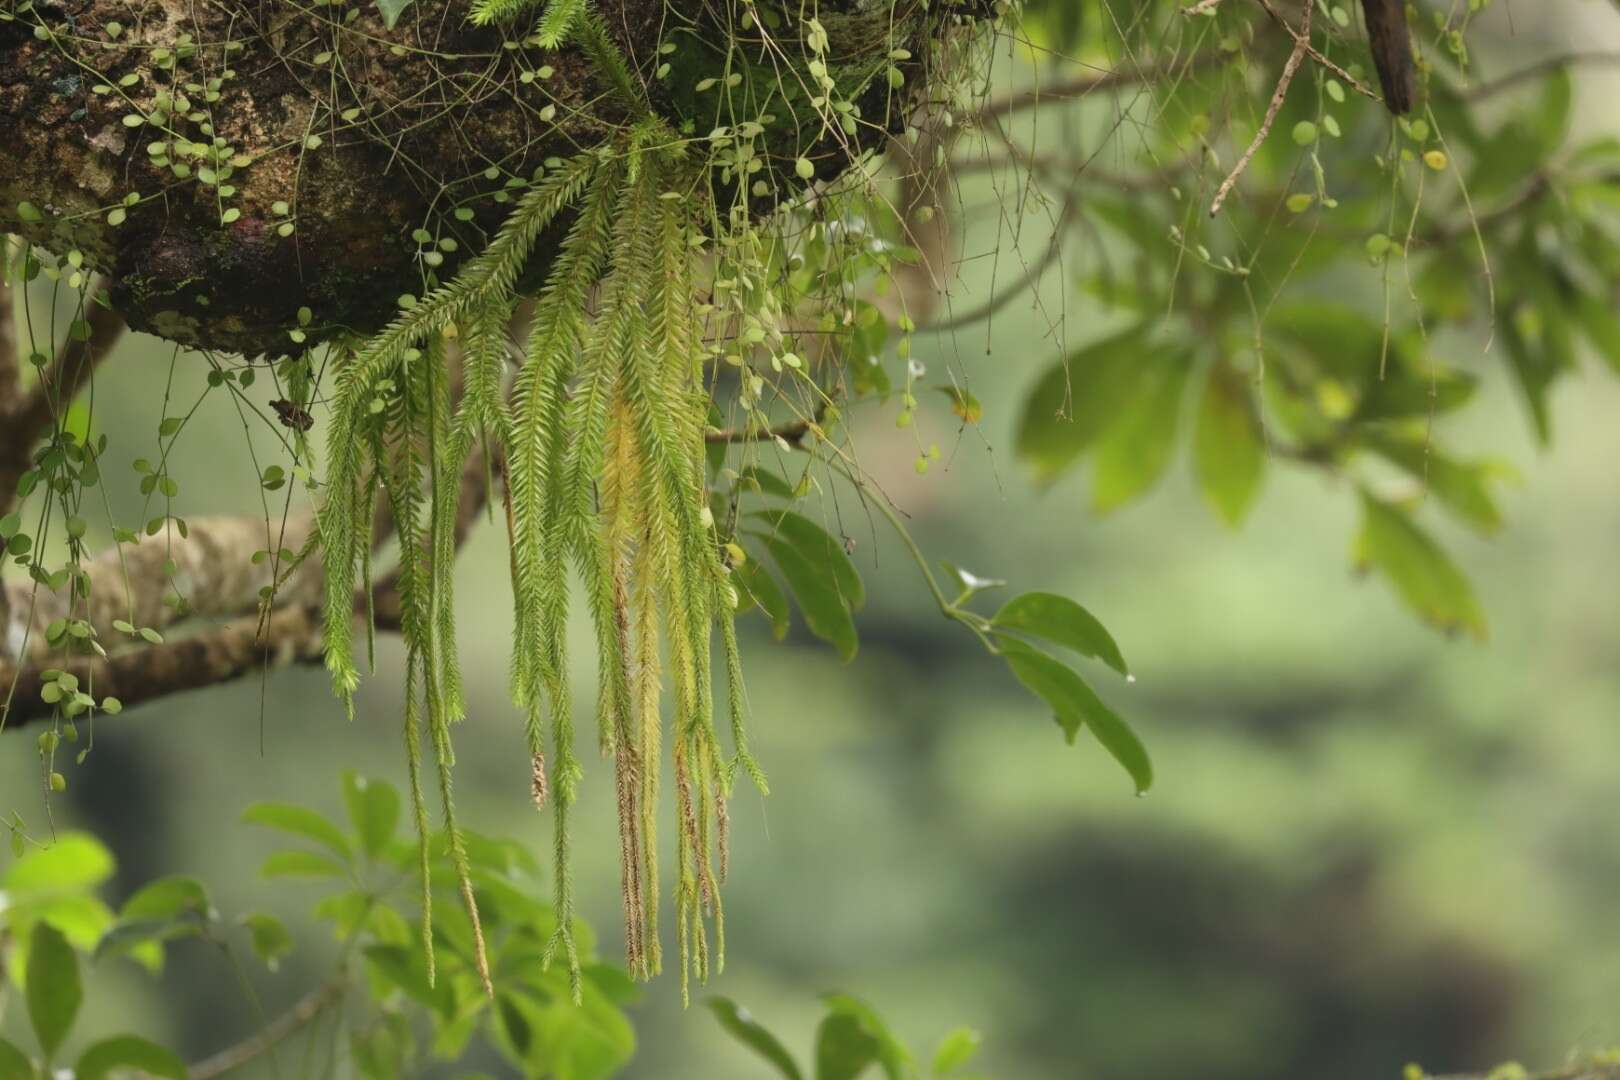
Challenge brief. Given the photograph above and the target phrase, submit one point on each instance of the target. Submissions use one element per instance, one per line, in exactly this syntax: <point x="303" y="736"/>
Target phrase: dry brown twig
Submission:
<point x="1290" y="69"/>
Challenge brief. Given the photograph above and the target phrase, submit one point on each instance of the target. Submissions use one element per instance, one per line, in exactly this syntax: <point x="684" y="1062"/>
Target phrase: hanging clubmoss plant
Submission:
<point x="604" y="450"/>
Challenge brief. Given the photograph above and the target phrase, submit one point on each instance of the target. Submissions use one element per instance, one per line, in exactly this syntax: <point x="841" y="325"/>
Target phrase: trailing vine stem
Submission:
<point x="951" y="609"/>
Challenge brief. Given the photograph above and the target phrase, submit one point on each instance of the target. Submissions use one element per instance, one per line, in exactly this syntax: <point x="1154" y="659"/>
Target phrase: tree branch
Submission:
<point x="30" y="415"/>
<point x="213" y="572"/>
<point x="1492" y="87"/>
<point x="289" y="1023"/>
<point x="145" y="674"/>
<point x="1290" y="68"/>
<point x="1082" y="86"/>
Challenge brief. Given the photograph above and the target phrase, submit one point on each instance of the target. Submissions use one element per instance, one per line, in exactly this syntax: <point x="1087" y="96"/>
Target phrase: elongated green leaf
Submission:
<point x="892" y="1054"/>
<point x="1074" y="705"/>
<point x="300" y="821"/>
<point x="764" y="481"/>
<point x="14" y="1064"/>
<point x="742" y="1026"/>
<point x="391" y="10"/>
<point x="1062" y="622"/>
<point x="74" y="862"/>
<point x="270" y="938"/>
<point x="588" y="1041"/>
<point x="168" y="898"/>
<point x="820" y="549"/>
<point x="373" y="811"/>
<point x="406" y="968"/>
<point x="299" y="864"/>
<point x="844" y="1048"/>
<point x="1602" y="328"/>
<point x="142" y="939"/>
<point x="756" y="586"/>
<point x="1136" y="450"/>
<point x="1228" y="455"/>
<point x="1423" y="575"/>
<point x="1464" y="487"/>
<point x="825" y="612"/>
<point x="1079" y="399"/>
<point x="54" y="992"/>
<point x="956" y="1050"/>
<point x="128" y="1052"/>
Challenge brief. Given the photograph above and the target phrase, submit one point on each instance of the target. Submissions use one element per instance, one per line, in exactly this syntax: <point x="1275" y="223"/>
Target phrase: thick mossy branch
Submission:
<point x="230" y="163"/>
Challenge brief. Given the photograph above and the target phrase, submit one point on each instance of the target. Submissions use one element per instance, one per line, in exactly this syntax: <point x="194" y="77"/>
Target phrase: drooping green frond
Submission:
<point x="601" y="449"/>
<point x="485" y="12"/>
<point x="558" y="21"/>
<point x="605" y="56"/>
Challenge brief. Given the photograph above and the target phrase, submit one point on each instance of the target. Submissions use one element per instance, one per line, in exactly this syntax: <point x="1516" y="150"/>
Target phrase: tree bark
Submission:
<point x="230" y="162"/>
<point x="353" y="134"/>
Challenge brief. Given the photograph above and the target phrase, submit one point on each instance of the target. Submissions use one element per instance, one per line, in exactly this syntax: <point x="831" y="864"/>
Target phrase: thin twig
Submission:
<point x="67" y="372"/>
<point x="1290" y="69"/>
<point x="289" y="1023"/>
<point x="791" y="432"/>
<point x="9" y="385"/>
<point x="1315" y="54"/>
<point x="1083" y="85"/>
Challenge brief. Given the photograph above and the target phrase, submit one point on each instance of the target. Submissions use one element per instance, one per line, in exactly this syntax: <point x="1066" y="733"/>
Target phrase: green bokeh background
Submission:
<point x="1366" y="844"/>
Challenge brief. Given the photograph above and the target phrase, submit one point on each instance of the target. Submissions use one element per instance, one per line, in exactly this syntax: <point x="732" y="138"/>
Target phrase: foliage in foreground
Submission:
<point x="375" y="1011"/>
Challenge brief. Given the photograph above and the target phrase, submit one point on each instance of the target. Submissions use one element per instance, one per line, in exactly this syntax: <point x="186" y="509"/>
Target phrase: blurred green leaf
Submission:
<point x="405" y="967"/>
<point x="53" y="990"/>
<point x="391" y="10"/>
<point x="825" y="611"/>
<point x="1055" y="25"/>
<point x="1062" y="622"/>
<point x="1136" y="450"/>
<point x="1464" y="487"/>
<point x="1511" y="155"/>
<point x="965" y="405"/>
<point x="300" y="864"/>
<point x="742" y="1026"/>
<point x="82" y="919"/>
<point x="956" y="1050"/>
<point x="764" y="481"/>
<point x="1075" y="704"/>
<point x="270" y="938"/>
<point x="128" y="1052"/>
<point x="588" y="1041"/>
<point x="1423" y="575"/>
<point x="1228" y="452"/>
<point x="821" y="549"/>
<point x="844" y="1048"/>
<point x="373" y="811"/>
<point x="74" y="862"/>
<point x="891" y="1053"/>
<point x="300" y="821"/>
<point x="14" y="1064"/>
<point x="1602" y="328"/>
<point x="161" y="911"/>
<point x="1082" y="397"/>
<point x="168" y="898"/>
<point x="756" y="586"/>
